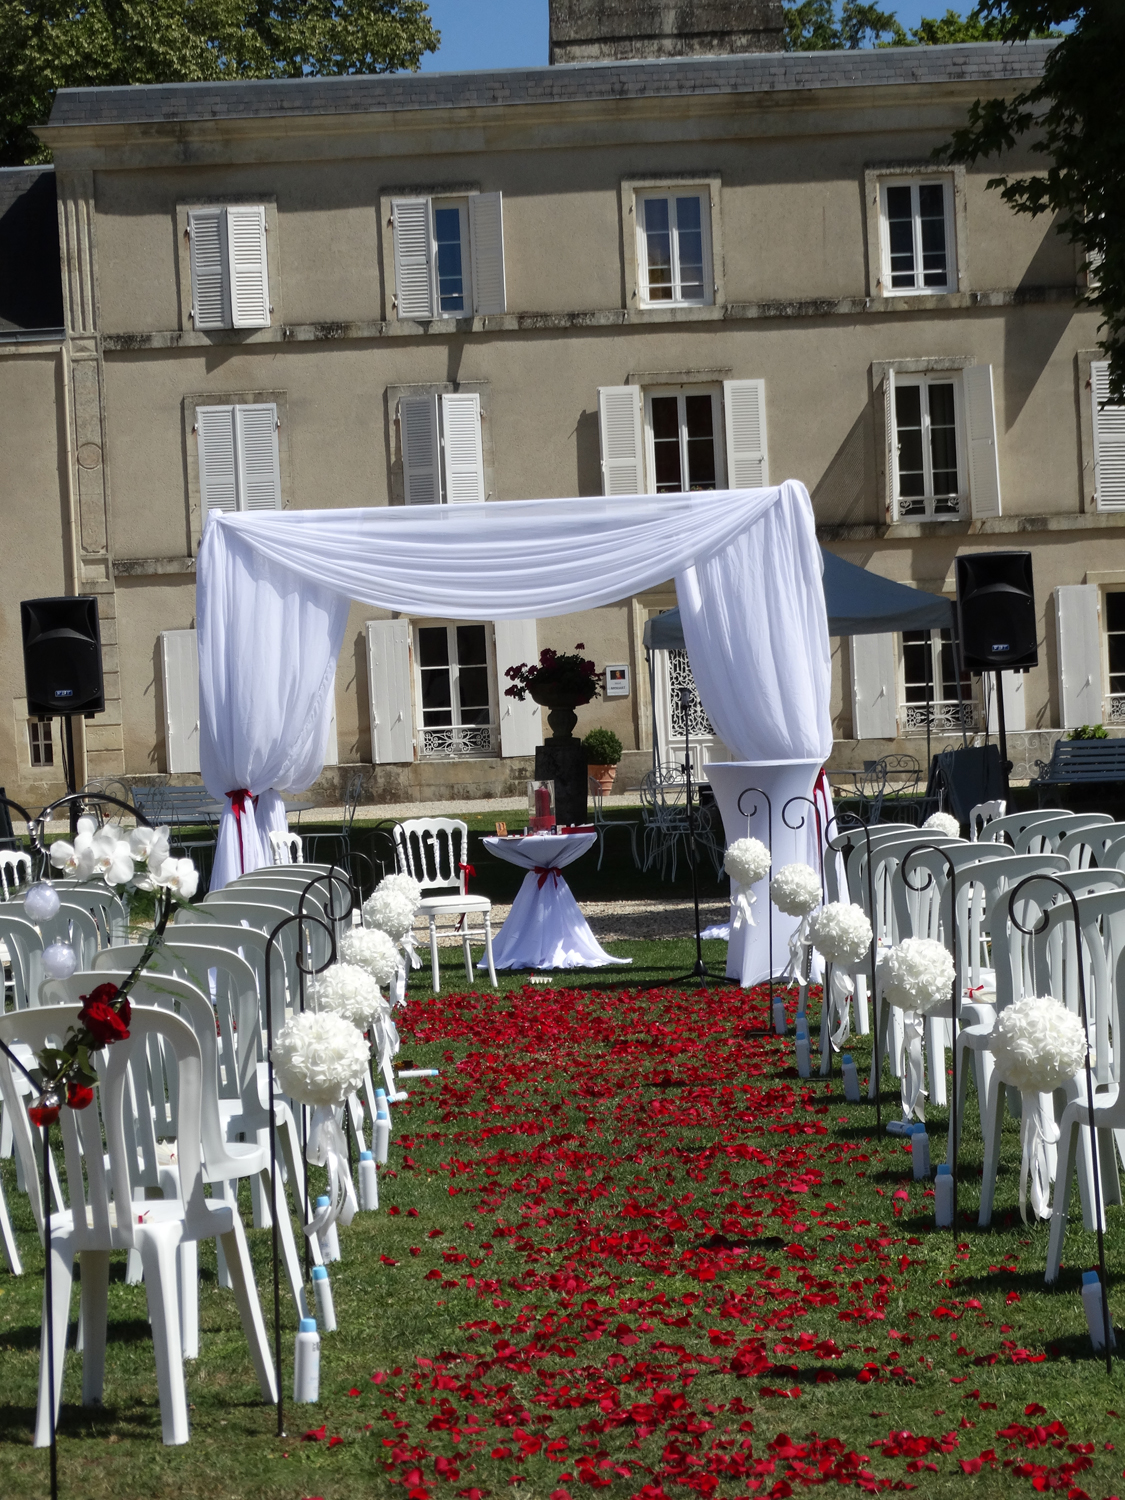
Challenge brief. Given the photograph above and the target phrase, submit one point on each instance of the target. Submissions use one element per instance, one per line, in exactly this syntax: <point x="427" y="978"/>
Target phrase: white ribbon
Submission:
<point x="409" y="946"/>
<point x="398" y="987"/>
<point x="1038" y="1137"/>
<point x="835" y="1015"/>
<point x="328" y="1147"/>
<point x="741" y="903"/>
<point x="798" y="951"/>
<point x="911" y="1066"/>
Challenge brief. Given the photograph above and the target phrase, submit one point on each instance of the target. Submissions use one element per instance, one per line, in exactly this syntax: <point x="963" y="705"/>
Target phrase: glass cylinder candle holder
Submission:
<point x="540" y="806"/>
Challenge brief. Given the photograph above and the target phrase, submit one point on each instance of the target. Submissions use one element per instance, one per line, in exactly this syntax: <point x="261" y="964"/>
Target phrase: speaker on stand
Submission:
<point x="62" y="666"/>
<point x="996" y="622"/>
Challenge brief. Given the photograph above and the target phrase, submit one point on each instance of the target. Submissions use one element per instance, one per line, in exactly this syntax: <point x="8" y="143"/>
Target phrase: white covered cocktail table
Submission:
<point x="545" y="928"/>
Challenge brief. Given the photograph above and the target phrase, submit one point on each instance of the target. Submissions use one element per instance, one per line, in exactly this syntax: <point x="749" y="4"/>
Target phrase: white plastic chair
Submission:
<point x="106" y="908"/>
<point x="12" y="861"/>
<point x="287" y="848"/>
<point x="982" y="815"/>
<point x="103" y="1216"/>
<point x="435" y="851"/>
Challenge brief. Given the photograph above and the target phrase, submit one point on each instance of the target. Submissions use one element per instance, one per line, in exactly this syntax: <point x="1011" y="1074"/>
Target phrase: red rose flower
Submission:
<point x="45" y="1111"/>
<point x="79" y="1095"/>
<point x="104" y="1021"/>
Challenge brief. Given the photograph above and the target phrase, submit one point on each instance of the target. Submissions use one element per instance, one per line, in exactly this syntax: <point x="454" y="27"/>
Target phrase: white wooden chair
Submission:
<point x="983" y="814"/>
<point x="12" y="862"/>
<point x="103" y="1218"/>
<point x="286" y="848"/>
<point x="434" y="851"/>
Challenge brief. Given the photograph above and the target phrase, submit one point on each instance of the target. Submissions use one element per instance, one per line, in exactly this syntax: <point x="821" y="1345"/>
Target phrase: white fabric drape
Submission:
<point x="273" y="589"/>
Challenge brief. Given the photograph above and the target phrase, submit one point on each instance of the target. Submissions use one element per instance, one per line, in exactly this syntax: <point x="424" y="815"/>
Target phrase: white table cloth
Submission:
<point x="545" y="928"/>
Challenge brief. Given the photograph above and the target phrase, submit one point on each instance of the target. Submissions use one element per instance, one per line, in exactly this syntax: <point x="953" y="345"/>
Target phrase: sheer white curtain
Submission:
<point x="273" y="589"/>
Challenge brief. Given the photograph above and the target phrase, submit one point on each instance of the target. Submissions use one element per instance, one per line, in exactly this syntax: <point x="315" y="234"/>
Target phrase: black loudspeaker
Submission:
<point x="62" y="656"/>
<point x="996" y="611"/>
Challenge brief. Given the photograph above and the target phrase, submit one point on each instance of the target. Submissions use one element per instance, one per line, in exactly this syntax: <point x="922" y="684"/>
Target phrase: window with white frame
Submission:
<point x="671" y="438"/>
<point x="916" y="228"/>
<point x="449" y="256"/>
<point x="683" y="432"/>
<point x="239" y="460"/>
<point x="941" y="437"/>
<point x="1114" y="616"/>
<point x="674" y="261"/>
<point x="455" y="691"/>
<point x="930" y="695"/>
<point x="229" y="274"/>
<point x="1109" y="441"/>
<point x="40" y="745"/>
<point x="442" y="448"/>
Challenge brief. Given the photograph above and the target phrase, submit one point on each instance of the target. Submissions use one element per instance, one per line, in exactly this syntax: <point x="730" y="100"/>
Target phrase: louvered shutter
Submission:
<point x="890" y="432"/>
<point x="218" y="482"/>
<point x="486" y="238"/>
<point x="1109" y="442"/>
<point x="622" y="440"/>
<point x="464" y="456"/>
<point x="1078" y="623"/>
<point x="207" y="234"/>
<point x="980" y="424"/>
<point x="259" y="472"/>
<point x="414" y="261"/>
<point x="1015" y="711"/>
<point x="874" y="698"/>
<point x="744" y="408"/>
<point x="331" y="744"/>
<point x="179" y="662"/>
<point x="388" y="680"/>
<point x="246" y="254"/>
<point x="521" y="724"/>
<point x="421" y="456"/>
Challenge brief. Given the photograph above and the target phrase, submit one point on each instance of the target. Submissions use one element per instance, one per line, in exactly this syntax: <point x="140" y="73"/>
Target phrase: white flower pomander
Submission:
<point x="747" y="861"/>
<point x="319" y="1058"/>
<point x="346" y="990"/>
<point x="391" y="911"/>
<point x="373" y="951"/>
<point x="1038" y="1044"/>
<point x="917" y="974"/>
<point x="795" y="890"/>
<point x="944" y="823"/>
<point x="840" y="932"/>
<point x="401" y="882"/>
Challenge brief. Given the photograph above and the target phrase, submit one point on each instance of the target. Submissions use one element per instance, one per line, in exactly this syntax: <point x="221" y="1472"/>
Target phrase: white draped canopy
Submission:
<point x="273" y="591"/>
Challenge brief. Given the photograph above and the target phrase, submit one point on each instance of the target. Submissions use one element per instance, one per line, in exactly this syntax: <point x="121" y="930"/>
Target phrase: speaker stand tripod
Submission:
<point x="1002" y="734"/>
<point x="69" y="768"/>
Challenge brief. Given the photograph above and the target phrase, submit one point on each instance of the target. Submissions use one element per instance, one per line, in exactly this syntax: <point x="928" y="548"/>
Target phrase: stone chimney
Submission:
<point x="605" y="30"/>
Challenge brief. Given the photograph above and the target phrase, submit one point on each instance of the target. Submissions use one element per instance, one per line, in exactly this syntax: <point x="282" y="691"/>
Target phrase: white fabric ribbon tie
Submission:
<point x="912" y="1067"/>
<point x="1039" y="1135"/>
<point x="328" y="1147"/>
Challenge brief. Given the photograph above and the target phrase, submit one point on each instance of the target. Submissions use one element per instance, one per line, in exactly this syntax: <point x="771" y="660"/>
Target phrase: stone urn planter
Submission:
<point x="561" y="703"/>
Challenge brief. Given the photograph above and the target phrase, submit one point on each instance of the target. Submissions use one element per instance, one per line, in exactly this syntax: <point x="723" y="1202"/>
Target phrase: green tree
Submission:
<point x="1073" y="117"/>
<point x="46" y="45"/>
<point x="812" y="26"/>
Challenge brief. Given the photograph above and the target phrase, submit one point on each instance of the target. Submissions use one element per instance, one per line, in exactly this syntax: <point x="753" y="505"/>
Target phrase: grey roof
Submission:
<point x="766" y="72"/>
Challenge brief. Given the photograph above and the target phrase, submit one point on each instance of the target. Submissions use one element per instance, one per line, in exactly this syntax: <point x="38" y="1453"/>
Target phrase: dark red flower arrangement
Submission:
<point x="562" y="672"/>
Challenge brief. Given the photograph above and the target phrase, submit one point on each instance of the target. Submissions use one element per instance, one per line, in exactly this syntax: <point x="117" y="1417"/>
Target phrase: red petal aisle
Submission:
<point x="685" y="1266"/>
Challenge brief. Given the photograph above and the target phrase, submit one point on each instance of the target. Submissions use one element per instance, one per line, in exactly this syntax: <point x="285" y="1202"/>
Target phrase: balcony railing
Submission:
<point x="941" y="718"/>
<point x="1115" y="708"/>
<point x="460" y="742"/>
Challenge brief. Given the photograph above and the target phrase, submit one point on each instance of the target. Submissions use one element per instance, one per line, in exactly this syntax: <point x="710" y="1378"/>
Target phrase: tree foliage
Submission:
<point x="46" y="45"/>
<point x="813" y="26"/>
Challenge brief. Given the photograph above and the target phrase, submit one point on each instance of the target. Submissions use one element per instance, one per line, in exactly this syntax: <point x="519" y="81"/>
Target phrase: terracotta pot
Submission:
<point x="604" y="776"/>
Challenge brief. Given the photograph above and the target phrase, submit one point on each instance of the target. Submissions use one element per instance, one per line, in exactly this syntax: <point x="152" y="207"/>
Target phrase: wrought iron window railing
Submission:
<point x="939" y="717"/>
<point x="460" y="742"/>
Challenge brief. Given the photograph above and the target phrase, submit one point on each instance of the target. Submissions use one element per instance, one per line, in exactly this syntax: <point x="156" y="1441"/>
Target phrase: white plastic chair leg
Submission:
<point x="935" y="1058"/>
<point x="995" y="1105"/>
<point x="187" y="1267"/>
<point x="134" y="1272"/>
<point x="435" y="967"/>
<point x="288" y="1245"/>
<point x="862" y="1017"/>
<point x="93" y="1313"/>
<point x="249" y="1308"/>
<point x="8" y="1239"/>
<point x="158" y="1256"/>
<point x="259" y="1206"/>
<point x="488" y="947"/>
<point x="62" y="1278"/>
<point x="1064" y="1175"/>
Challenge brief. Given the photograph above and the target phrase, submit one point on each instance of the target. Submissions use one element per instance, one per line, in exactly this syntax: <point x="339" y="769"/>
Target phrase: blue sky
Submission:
<point x="513" y="33"/>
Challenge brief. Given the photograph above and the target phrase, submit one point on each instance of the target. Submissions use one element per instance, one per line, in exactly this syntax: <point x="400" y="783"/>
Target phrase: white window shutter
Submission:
<point x="521" y="724"/>
<point x="1015" y="711"/>
<point x="891" y="431"/>
<point x="1109" y="442"/>
<point x="207" y="253"/>
<point x="331" y="745"/>
<point x="218" y="482"/>
<point x="414" y="259"/>
<point x="389" y="692"/>
<point x="874" y="695"/>
<point x="1077" y="617"/>
<point x="486" y="238"/>
<point x="249" y="278"/>
<point x="259" y="470"/>
<point x="980" y="424"/>
<point x="622" y="440"/>
<point x="179" y="663"/>
<point x="464" y="455"/>
<point x="744" y="407"/>
<point x="421" y="454"/>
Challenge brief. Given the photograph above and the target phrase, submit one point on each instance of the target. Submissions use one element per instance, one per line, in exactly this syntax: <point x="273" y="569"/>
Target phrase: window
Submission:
<point x="674" y="266"/>
<point x="1109" y="441"/>
<point x="456" y="691"/>
<point x="928" y="463"/>
<point x="930" y="694"/>
<point x="442" y="449"/>
<point x="1115" y="651"/>
<point x="239" y="465"/>
<point x="678" y="438"/>
<point x="40" y="743"/>
<point x="916" y="226"/>
<point x="685" y="450"/>
<point x="449" y="256"/>
<point x="229" y="276"/>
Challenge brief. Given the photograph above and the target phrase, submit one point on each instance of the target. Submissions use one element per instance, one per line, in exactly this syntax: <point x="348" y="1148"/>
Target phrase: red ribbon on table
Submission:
<point x="238" y="801"/>
<point x="543" y="871"/>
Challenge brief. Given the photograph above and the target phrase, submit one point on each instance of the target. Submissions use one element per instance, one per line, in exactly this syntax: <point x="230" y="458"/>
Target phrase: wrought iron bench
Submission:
<point x="1077" y="761"/>
<point x="177" y="806"/>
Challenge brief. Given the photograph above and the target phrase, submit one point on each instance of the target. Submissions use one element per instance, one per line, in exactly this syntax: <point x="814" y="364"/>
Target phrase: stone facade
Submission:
<point x="608" y="30"/>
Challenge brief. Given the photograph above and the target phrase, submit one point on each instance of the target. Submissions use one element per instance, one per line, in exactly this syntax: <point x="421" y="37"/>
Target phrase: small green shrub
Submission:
<point x="602" y="748"/>
<point x="1088" y="732"/>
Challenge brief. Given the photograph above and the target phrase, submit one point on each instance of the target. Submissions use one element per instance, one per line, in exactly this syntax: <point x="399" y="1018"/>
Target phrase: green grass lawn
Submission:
<point x="622" y="1249"/>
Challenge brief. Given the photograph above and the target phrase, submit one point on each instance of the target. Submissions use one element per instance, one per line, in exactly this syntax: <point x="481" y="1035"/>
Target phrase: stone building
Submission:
<point x="631" y="274"/>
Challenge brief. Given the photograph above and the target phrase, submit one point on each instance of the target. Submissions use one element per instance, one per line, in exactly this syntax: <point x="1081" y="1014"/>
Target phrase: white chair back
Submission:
<point x="983" y="814"/>
<point x="435" y="851"/>
<point x="1088" y="846"/>
<point x="24" y="943"/>
<point x="287" y="848"/>
<point x="1043" y="836"/>
<point x="75" y="925"/>
<point x="15" y="869"/>
<point x="106" y="908"/>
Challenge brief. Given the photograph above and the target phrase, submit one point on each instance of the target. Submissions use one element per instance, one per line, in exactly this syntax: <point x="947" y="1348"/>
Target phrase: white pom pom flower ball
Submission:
<point x="390" y="911"/>
<point x="944" y="823"/>
<point x="1038" y="1044"/>
<point x="375" y="952"/>
<point x="840" y="932"/>
<point x="747" y="861"/>
<point x="401" y="882"/>
<point x="319" y="1058"/>
<point x="917" y="974"/>
<point x="795" y="890"/>
<point x="346" y="990"/>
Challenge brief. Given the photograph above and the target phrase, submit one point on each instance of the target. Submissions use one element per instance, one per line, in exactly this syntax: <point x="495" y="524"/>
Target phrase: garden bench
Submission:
<point x="1078" y="761"/>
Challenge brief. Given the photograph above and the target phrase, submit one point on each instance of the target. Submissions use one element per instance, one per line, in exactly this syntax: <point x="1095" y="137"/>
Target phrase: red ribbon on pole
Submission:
<point x="467" y="870"/>
<point x="238" y="801"/>
<point x="543" y="871"/>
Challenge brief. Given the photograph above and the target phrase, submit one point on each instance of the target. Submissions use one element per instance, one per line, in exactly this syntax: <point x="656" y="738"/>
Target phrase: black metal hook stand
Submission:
<point x="847" y="822"/>
<point x="819" y="854"/>
<point x="1094" y="1164"/>
<point x="271" y="944"/>
<point x="699" y="972"/>
<point x="955" y="999"/>
<point x="753" y="813"/>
